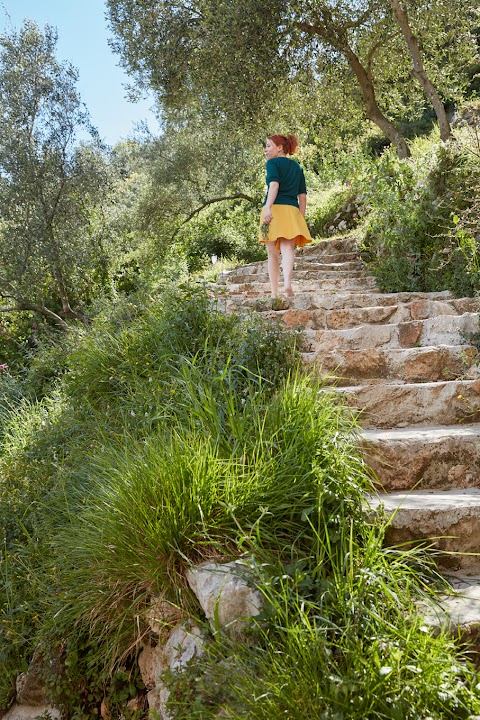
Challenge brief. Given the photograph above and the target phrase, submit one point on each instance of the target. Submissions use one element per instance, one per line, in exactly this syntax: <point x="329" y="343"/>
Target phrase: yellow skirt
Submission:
<point x="287" y="222"/>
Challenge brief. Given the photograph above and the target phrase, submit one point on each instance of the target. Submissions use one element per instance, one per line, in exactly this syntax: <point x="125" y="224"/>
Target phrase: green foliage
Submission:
<point x="53" y="248"/>
<point x="119" y="382"/>
<point x="421" y="233"/>
<point x="226" y="233"/>
<point x="346" y="645"/>
<point x="177" y="434"/>
<point x="323" y="207"/>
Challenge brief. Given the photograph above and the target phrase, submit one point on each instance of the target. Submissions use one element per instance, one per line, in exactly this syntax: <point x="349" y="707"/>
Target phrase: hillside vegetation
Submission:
<point x="143" y="430"/>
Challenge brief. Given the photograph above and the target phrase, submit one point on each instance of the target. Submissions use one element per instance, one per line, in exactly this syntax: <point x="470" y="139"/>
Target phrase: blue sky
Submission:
<point x="82" y="40"/>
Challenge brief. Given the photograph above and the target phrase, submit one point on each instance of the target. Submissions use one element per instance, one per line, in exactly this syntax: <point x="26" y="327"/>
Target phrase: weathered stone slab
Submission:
<point x="400" y="405"/>
<point x="318" y="275"/>
<point x="326" y="299"/>
<point x="442" y="330"/>
<point x="459" y="613"/>
<point x="352" y="317"/>
<point x="440" y="457"/>
<point x="410" y="365"/>
<point x="331" y="284"/>
<point x="183" y="644"/>
<point x="449" y="520"/>
<point x="225" y="595"/>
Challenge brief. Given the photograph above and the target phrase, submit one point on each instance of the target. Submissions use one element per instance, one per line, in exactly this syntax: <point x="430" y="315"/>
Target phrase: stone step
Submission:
<point x="349" y="318"/>
<point x="333" y="264"/>
<point x="439" y="330"/>
<point x="426" y="457"/>
<point x="246" y="273"/>
<point x="459" y="611"/>
<point x="327" y="257"/>
<point x="334" y="284"/>
<point x="448" y="520"/>
<point x="321" y="300"/>
<point x="390" y="405"/>
<point x="330" y="246"/>
<point x="409" y="365"/>
<point x="299" y="276"/>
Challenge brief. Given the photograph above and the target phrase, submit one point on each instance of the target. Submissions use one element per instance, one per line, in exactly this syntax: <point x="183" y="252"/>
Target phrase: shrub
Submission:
<point x="323" y="207"/>
<point x="118" y="384"/>
<point x="421" y="233"/>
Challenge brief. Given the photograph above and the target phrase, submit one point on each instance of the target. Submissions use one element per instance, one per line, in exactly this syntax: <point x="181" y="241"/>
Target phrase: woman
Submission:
<point x="282" y="222"/>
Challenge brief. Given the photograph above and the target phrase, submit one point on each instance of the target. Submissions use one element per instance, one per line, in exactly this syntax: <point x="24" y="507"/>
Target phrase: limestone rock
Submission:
<point x="448" y="520"/>
<point x="30" y="712"/>
<point x="225" y="595"/>
<point x="152" y="664"/>
<point x="157" y="701"/>
<point x="398" y="405"/>
<point x="433" y="456"/>
<point x="161" y="614"/>
<point x="183" y="644"/>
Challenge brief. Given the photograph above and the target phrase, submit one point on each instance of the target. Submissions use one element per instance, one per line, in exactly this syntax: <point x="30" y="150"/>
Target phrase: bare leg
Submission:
<point x="287" y="248"/>
<point x="273" y="267"/>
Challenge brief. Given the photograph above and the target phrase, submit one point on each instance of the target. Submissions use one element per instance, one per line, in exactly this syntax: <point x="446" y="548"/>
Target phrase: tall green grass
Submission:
<point x="122" y="385"/>
<point x="179" y="434"/>
<point x="233" y="475"/>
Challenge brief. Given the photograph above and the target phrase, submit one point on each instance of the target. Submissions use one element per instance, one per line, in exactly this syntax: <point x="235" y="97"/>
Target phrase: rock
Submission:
<point x="162" y="614"/>
<point x="298" y="318"/>
<point x="436" y="456"/>
<point x="29" y="712"/>
<point x="183" y="644"/>
<point x="398" y="405"/>
<point x="448" y="520"/>
<point x="157" y="701"/>
<point x="151" y="664"/>
<point x="473" y="372"/>
<point x="225" y="595"/>
<point x="409" y="333"/>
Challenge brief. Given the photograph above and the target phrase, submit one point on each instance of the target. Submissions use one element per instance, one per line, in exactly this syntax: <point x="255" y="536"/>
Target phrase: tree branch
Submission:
<point x="237" y="196"/>
<point x="22" y="306"/>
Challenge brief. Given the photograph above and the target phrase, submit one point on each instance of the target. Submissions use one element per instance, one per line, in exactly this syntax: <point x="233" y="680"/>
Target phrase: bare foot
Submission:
<point x="289" y="292"/>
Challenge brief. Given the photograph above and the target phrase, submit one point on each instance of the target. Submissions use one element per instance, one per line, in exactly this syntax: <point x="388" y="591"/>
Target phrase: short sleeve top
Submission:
<point x="289" y="174"/>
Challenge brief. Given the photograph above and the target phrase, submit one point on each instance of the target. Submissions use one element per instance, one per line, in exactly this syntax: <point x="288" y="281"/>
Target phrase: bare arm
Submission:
<point x="302" y="203"/>
<point x="271" y="197"/>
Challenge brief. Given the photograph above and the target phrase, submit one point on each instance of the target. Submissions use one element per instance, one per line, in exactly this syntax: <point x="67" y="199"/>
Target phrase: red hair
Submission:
<point x="289" y="143"/>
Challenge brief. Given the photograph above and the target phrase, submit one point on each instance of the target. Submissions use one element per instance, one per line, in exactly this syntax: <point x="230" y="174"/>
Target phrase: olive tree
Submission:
<point x="236" y="60"/>
<point x="52" y="247"/>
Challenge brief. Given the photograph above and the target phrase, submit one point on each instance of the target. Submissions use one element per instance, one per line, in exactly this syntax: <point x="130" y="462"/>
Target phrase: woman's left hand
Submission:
<point x="267" y="216"/>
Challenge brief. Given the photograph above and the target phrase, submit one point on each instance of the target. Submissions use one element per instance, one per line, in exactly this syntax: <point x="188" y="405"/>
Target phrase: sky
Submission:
<point x="83" y="40"/>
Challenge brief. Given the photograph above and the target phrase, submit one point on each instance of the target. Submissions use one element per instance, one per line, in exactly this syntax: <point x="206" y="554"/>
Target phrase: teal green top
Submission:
<point x="289" y="175"/>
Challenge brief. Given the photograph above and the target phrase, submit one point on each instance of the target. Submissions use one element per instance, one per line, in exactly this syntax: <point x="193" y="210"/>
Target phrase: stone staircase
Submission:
<point x="405" y="362"/>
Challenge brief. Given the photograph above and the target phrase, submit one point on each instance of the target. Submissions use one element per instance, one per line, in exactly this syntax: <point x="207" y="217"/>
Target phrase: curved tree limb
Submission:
<point x="330" y="35"/>
<point x="41" y="310"/>
<point x="236" y="196"/>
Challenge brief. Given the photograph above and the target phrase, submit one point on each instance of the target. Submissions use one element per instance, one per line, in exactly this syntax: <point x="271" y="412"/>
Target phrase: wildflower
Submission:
<point x="4" y="366"/>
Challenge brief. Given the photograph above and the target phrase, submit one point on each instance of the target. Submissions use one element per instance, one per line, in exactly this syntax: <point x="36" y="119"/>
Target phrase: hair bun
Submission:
<point x="292" y="143"/>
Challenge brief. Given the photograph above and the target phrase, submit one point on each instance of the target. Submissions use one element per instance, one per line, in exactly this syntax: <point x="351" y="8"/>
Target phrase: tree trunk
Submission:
<point x="419" y="71"/>
<point x="371" y="106"/>
<point x="328" y="33"/>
